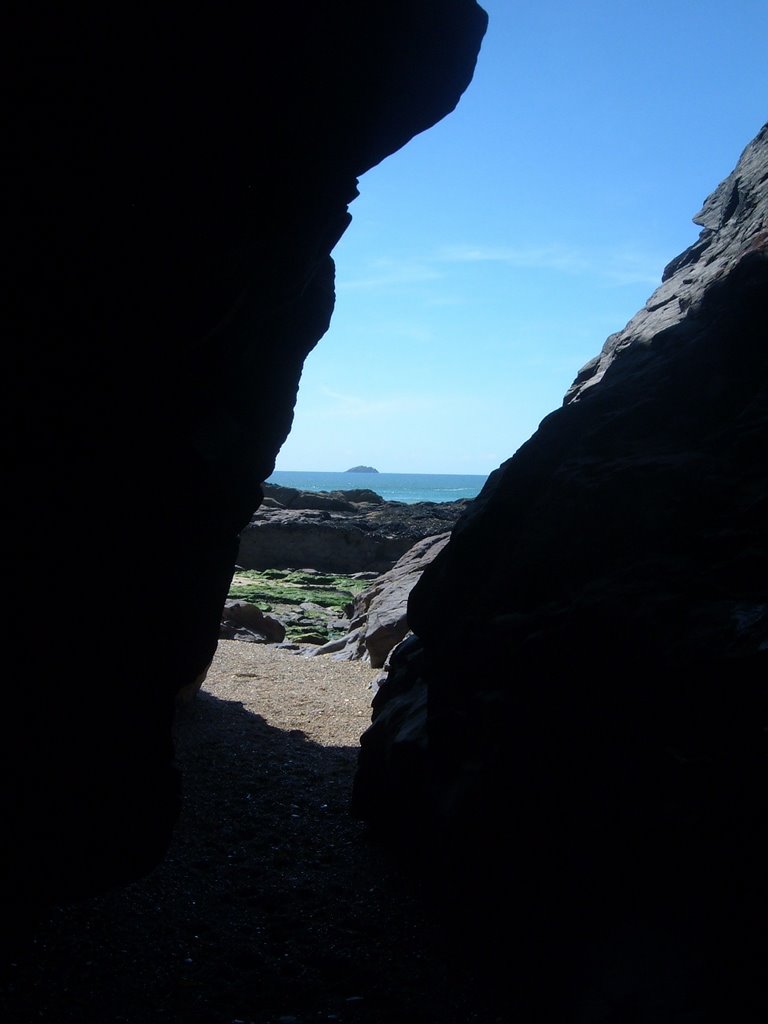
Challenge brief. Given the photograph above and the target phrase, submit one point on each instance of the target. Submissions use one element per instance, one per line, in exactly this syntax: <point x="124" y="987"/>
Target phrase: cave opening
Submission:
<point x="592" y="646"/>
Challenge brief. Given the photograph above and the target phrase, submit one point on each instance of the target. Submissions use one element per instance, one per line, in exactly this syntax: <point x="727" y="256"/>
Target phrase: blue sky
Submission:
<point x="491" y="257"/>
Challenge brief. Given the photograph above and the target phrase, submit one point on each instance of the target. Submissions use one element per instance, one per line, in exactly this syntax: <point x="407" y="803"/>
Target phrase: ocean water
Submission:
<point x="405" y="487"/>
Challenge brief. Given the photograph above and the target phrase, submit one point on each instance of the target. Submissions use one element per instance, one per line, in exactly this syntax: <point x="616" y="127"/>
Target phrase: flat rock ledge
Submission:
<point x="341" y="531"/>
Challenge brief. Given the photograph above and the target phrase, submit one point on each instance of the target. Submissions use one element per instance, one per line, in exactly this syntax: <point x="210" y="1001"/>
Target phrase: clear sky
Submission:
<point x="491" y="257"/>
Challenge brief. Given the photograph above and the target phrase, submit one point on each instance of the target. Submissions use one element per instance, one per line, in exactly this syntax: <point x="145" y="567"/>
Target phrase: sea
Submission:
<point x="406" y="487"/>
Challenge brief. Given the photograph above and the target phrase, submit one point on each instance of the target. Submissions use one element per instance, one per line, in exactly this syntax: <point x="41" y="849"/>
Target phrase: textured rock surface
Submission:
<point x="379" y="616"/>
<point x="241" y="620"/>
<point x="334" y="501"/>
<point x="177" y="183"/>
<point x="734" y="231"/>
<point x="578" y="727"/>
<point x="342" y="532"/>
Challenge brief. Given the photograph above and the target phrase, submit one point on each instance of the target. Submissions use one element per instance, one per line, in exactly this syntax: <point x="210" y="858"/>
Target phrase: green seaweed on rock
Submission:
<point x="306" y="601"/>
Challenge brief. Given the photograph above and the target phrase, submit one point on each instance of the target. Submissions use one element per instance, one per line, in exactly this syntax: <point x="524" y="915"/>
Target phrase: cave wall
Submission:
<point x="589" y="780"/>
<point x="177" y="179"/>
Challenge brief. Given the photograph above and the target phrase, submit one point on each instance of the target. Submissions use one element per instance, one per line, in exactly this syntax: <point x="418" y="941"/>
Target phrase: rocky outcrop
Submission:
<point x="379" y="616"/>
<point x="177" y="184"/>
<point x="734" y="232"/>
<point x="242" y="620"/>
<point x="276" y="496"/>
<point x="577" y="728"/>
<point x="342" y="531"/>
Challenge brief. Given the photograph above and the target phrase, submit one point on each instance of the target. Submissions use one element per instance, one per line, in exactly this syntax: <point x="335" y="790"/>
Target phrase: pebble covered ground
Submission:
<point x="271" y="907"/>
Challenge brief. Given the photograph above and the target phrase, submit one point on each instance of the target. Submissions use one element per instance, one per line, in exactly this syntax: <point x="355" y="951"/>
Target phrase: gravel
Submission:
<point x="271" y="905"/>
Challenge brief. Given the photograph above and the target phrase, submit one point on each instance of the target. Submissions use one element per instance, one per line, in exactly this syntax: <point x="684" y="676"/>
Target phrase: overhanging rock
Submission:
<point x="179" y="180"/>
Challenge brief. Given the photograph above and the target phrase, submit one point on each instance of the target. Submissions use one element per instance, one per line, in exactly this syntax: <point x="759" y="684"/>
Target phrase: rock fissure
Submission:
<point x="568" y="739"/>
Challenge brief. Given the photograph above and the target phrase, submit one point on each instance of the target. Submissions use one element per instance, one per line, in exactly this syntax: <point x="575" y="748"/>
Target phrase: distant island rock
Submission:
<point x="362" y="469"/>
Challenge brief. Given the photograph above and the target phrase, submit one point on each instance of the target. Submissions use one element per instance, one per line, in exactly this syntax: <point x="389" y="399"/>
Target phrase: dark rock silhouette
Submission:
<point x="177" y="181"/>
<point x="577" y="730"/>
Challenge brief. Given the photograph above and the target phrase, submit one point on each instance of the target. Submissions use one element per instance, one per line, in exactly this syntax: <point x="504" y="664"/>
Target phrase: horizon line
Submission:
<point x="378" y="472"/>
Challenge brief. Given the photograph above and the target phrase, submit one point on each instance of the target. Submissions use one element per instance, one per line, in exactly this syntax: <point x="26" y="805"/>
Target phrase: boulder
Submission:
<point x="379" y="616"/>
<point x="242" y="615"/>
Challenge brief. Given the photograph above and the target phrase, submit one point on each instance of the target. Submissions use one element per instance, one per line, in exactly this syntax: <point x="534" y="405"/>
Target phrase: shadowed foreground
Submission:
<point x="271" y="905"/>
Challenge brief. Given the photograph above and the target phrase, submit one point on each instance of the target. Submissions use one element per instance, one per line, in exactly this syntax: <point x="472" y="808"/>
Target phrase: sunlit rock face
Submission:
<point x="336" y="535"/>
<point x="593" y="651"/>
<point x="179" y="178"/>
